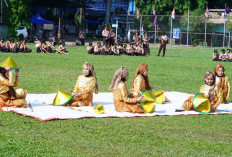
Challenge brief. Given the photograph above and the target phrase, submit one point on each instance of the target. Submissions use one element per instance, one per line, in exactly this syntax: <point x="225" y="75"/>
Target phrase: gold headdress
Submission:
<point x="118" y="75"/>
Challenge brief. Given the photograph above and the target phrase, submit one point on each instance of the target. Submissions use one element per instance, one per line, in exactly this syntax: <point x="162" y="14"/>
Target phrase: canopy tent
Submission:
<point x="43" y="28"/>
<point x="37" y="19"/>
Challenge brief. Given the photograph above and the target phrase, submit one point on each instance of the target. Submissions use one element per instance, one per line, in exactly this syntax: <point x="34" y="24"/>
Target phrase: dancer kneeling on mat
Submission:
<point x="83" y="91"/>
<point x="123" y="102"/>
<point x="222" y="82"/>
<point x="8" y="96"/>
<point x="210" y="90"/>
<point x="141" y="82"/>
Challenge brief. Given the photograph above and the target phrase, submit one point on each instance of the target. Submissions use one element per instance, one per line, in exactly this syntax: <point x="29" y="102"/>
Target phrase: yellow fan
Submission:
<point x="159" y="95"/>
<point x="62" y="99"/>
<point x="201" y="103"/>
<point x="99" y="108"/>
<point x="9" y="62"/>
<point x="149" y="102"/>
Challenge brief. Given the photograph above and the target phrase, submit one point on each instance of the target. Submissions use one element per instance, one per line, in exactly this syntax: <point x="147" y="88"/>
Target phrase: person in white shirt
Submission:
<point x="163" y="40"/>
<point x="105" y="34"/>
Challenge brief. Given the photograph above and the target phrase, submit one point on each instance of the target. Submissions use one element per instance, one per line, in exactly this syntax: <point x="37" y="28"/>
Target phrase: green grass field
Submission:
<point x="182" y="69"/>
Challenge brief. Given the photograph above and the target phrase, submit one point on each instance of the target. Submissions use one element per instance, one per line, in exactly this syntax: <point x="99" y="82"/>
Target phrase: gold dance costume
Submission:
<point x="211" y="91"/>
<point x="122" y="101"/>
<point x="85" y="85"/>
<point x="225" y="88"/>
<point x="139" y="85"/>
<point x="223" y="83"/>
<point x="8" y="96"/>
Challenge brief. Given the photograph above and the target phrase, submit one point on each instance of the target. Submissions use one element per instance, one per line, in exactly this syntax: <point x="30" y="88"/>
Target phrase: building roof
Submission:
<point x="57" y="4"/>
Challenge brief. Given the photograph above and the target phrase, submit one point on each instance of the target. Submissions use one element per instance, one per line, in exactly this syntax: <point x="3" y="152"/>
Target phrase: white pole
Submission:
<point x="229" y="40"/>
<point x="127" y="20"/>
<point x="224" y="33"/>
<point x="188" y="31"/>
<point x="155" y="29"/>
<point x="205" y="30"/>
<point x="140" y="26"/>
<point x="171" y="33"/>
<point x="116" y="31"/>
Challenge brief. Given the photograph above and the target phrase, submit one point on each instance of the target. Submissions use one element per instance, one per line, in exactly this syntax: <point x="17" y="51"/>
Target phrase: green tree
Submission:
<point x="229" y="24"/>
<point x="165" y="7"/>
<point x="18" y="14"/>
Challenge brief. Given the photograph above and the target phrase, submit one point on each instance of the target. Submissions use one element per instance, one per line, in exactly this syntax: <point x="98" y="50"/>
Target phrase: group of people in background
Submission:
<point x="224" y="56"/>
<point x="14" y="47"/>
<point x="131" y="49"/>
<point x="109" y="47"/>
<point x="49" y="47"/>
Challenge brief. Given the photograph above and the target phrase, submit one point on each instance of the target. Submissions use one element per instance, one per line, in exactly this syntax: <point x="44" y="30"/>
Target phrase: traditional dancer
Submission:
<point x="122" y="101"/>
<point x="141" y="83"/>
<point x="210" y="90"/>
<point x="222" y="82"/>
<point x="8" y="96"/>
<point x="83" y="91"/>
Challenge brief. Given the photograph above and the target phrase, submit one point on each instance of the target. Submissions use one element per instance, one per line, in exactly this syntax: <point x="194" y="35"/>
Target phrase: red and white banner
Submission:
<point x="173" y="13"/>
<point x="138" y="13"/>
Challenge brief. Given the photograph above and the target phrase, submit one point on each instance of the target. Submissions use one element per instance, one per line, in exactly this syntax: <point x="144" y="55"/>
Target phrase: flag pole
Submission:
<point x="229" y="40"/>
<point x="171" y="33"/>
<point x="127" y="20"/>
<point x="140" y="27"/>
<point x="155" y="31"/>
<point x="205" y="30"/>
<point x="188" y="30"/>
<point x="224" y="32"/>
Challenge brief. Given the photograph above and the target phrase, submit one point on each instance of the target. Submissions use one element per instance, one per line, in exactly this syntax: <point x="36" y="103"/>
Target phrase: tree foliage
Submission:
<point x="229" y="24"/>
<point x="165" y="7"/>
<point x="18" y="14"/>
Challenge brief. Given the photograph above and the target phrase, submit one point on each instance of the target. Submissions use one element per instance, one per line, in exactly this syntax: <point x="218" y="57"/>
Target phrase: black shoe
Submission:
<point x="158" y="55"/>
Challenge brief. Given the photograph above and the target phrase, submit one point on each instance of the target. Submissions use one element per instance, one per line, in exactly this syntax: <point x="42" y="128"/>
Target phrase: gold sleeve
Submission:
<point x="228" y="88"/>
<point x="218" y="97"/>
<point x="123" y="90"/>
<point x="16" y="83"/>
<point x="7" y="82"/>
<point x="138" y="86"/>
